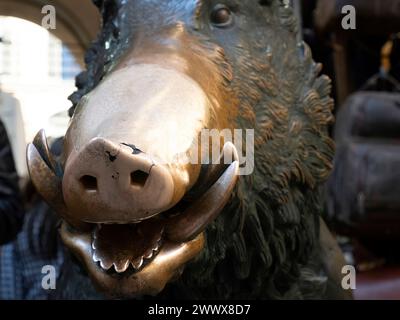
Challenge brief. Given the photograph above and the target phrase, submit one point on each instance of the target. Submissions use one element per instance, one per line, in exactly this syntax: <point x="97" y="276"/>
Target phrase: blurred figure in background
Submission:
<point x="11" y="208"/>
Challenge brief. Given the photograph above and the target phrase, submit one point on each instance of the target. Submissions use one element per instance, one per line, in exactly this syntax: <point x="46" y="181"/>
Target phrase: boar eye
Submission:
<point x="221" y="16"/>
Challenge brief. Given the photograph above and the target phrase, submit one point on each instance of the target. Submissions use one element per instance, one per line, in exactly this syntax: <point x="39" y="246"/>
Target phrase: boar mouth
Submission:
<point x="139" y="257"/>
<point x="130" y="247"/>
<point x="127" y="248"/>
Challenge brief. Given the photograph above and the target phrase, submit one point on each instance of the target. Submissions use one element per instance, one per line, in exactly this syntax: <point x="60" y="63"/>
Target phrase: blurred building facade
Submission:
<point x="37" y="73"/>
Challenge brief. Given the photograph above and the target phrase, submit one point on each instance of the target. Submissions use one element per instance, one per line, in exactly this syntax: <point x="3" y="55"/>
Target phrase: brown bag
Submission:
<point x="364" y="188"/>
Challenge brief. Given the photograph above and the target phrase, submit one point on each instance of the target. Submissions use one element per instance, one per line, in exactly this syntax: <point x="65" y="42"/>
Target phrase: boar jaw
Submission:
<point x="174" y="240"/>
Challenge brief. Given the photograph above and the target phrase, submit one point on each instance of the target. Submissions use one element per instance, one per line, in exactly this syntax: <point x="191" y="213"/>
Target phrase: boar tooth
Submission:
<point x="94" y="241"/>
<point x="196" y="217"/>
<point x="149" y="254"/>
<point x="95" y="257"/>
<point x="137" y="263"/>
<point x="121" y="266"/>
<point x="158" y="245"/>
<point x="106" y="265"/>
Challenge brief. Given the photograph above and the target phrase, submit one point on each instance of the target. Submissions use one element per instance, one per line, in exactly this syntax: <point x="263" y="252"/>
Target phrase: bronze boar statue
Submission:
<point x="139" y="217"/>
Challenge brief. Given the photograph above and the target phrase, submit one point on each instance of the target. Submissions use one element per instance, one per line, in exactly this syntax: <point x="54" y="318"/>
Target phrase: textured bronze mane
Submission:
<point x="265" y="243"/>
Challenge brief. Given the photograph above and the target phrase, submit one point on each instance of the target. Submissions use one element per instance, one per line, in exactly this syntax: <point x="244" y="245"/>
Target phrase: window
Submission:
<point x="55" y="56"/>
<point x="5" y="58"/>
<point x="70" y="67"/>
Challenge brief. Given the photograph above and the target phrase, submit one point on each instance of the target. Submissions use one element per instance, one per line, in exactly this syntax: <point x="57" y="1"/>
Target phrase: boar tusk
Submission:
<point x="42" y="170"/>
<point x="188" y="225"/>
<point x="213" y="171"/>
<point x="44" y="179"/>
<point x="40" y="142"/>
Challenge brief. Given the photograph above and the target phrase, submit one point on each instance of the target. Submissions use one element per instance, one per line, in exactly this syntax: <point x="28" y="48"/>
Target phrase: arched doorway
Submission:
<point x="77" y="20"/>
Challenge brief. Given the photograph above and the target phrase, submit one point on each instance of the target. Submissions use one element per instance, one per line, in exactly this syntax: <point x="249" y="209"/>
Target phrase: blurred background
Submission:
<point x="38" y="66"/>
<point x="363" y="192"/>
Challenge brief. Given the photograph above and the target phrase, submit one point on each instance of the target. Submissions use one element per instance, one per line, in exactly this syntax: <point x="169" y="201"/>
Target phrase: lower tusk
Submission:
<point x="40" y="143"/>
<point x="45" y="180"/>
<point x="214" y="171"/>
<point x="194" y="220"/>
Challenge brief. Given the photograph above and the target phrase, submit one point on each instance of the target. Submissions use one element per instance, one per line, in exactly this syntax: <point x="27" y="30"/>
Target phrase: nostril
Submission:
<point x="139" y="178"/>
<point x="89" y="182"/>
